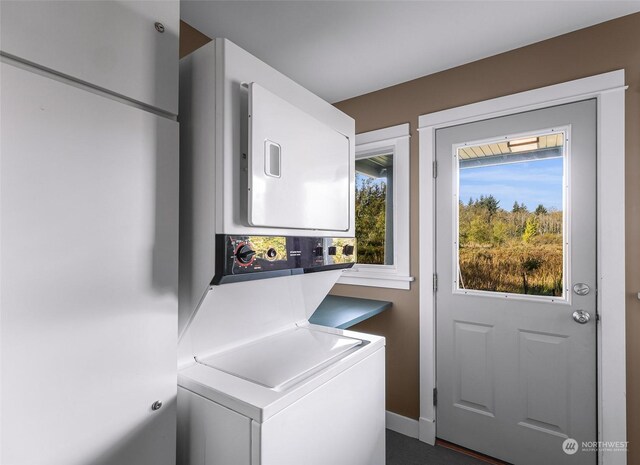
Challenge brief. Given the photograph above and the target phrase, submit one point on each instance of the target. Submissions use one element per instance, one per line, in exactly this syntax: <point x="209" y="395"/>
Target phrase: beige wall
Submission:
<point x="190" y="39"/>
<point x="601" y="48"/>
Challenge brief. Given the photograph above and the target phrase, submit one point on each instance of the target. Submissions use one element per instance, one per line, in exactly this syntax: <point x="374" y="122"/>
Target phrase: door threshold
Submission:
<point x="469" y="452"/>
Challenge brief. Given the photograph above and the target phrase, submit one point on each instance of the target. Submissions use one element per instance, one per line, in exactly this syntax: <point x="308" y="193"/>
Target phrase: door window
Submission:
<point x="511" y="204"/>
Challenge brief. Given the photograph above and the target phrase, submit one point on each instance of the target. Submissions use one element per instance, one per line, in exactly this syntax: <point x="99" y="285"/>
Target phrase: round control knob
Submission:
<point x="245" y="254"/>
<point x="348" y="250"/>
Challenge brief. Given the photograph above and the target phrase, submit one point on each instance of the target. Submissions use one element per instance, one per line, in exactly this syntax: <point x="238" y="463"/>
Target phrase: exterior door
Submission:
<point x="516" y="297"/>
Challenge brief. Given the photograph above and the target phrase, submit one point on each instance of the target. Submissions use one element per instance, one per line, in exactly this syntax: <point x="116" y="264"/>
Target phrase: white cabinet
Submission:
<point x="113" y="45"/>
<point x="88" y="257"/>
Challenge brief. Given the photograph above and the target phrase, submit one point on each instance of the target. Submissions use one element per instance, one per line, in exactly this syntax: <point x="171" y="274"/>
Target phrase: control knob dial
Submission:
<point x="245" y="254"/>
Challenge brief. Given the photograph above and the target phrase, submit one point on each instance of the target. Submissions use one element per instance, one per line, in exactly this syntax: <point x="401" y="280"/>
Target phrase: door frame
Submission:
<point x="608" y="90"/>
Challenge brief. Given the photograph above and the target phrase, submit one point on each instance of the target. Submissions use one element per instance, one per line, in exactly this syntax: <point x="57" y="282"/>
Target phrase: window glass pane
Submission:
<point x="510" y="216"/>
<point x="374" y="210"/>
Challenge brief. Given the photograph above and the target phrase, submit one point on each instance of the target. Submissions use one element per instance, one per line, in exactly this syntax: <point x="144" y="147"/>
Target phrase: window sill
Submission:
<point x="375" y="279"/>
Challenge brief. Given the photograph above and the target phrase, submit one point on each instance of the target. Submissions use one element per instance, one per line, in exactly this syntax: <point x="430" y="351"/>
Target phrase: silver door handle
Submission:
<point x="581" y="316"/>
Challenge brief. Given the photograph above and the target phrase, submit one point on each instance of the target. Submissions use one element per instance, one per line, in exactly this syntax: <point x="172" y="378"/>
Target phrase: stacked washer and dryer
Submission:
<point x="267" y="191"/>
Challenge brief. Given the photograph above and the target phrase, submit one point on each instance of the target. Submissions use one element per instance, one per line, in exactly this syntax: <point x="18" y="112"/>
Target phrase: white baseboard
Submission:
<point x="403" y="425"/>
<point x="427" y="431"/>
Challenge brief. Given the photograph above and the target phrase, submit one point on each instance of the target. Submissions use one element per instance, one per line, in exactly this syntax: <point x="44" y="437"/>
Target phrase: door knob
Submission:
<point x="581" y="316"/>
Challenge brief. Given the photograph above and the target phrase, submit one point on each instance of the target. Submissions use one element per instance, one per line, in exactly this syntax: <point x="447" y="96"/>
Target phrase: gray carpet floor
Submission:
<point x="403" y="450"/>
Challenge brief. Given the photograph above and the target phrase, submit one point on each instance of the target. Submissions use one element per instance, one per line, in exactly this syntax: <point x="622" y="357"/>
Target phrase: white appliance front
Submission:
<point x="342" y="422"/>
<point x="297" y="180"/>
<point x="255" y="409"/>
<point x="259" y="385"/>
<point x="299" y="168"/>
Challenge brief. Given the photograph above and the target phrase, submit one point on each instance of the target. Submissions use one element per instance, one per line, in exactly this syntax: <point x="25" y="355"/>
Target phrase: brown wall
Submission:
<point x="190" y="39"/>
<point x="598" y="49"/>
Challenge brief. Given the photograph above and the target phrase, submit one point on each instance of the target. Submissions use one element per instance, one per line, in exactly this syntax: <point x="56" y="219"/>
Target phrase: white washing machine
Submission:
<point x="287" y="394"/>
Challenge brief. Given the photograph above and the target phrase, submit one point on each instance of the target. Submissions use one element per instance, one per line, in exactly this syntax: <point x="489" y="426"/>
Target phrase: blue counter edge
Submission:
<point x="344" y="312"/>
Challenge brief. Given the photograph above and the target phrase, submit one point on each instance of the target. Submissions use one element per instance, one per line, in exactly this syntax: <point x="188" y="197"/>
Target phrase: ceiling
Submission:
<point x="342" y="49"/>
<point x="508" y="147"/>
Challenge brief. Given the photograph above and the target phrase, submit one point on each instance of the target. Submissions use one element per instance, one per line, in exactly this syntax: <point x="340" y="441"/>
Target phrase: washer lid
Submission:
<point x="279" y="360"/>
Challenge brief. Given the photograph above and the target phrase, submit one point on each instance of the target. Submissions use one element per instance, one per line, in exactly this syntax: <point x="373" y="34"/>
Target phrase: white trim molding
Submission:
<point x="608" y="90"/>
<point x="393" y="140"/>
<point x="402" y="425"/>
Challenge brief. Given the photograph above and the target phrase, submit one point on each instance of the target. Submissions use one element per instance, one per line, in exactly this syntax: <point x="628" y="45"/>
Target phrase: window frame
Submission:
<point x="393" y="140"/>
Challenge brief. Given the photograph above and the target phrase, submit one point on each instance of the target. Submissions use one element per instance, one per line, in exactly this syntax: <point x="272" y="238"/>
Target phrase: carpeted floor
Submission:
<point x="403" y="450"/>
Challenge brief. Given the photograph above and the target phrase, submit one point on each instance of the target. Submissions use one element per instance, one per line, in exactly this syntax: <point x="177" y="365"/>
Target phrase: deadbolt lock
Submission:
<point x="581" y="289"/>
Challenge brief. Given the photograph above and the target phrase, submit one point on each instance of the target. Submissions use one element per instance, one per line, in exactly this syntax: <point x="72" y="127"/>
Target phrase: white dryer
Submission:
<point x="287" y="394"/>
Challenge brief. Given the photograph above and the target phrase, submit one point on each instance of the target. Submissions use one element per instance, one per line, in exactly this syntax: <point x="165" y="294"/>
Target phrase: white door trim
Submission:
<point x="608" y="90"/>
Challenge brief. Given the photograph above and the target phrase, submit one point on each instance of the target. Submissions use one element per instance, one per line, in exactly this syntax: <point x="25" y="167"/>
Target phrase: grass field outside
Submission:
<point x="513" y="268"/>
<point x="515" y="251"/>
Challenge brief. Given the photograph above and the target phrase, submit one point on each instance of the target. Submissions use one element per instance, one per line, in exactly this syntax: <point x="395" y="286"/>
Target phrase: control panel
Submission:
<point x="243" y="258"/>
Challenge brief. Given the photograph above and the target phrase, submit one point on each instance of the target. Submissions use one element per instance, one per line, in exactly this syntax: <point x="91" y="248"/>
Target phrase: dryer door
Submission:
<point x="299" y="168"/>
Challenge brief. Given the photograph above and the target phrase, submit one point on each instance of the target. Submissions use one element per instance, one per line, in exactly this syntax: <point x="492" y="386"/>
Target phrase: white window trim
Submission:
<point x="608" y="90"/>
<point x="393" y="139"/>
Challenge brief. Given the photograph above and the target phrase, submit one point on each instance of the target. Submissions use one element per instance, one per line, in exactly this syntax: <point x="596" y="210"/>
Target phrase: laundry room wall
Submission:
<point x="191" y="39"/>
<point x="601" y="48"/>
